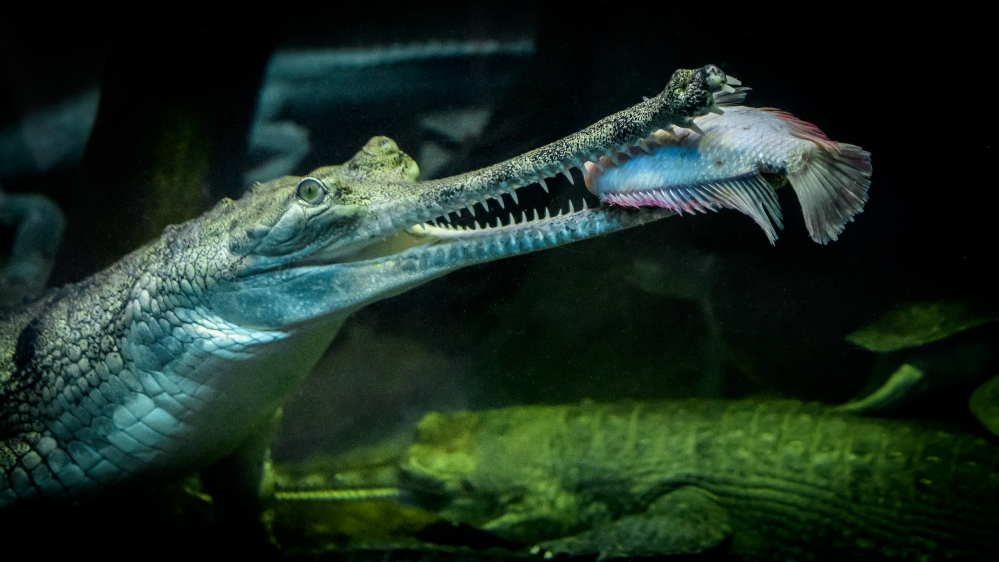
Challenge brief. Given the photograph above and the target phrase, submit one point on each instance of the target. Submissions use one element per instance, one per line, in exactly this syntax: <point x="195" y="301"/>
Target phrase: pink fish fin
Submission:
<point x="803" y="129"/>
<point x="750" y="195"/>
<point x="753" y="196"/>
<point x="728" y="99"/>
<point x="832" y="184"/>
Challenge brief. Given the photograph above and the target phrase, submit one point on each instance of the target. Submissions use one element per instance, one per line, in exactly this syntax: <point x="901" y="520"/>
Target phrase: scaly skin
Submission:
<point x="783" y="480"/>
<point x="174" y="358"/>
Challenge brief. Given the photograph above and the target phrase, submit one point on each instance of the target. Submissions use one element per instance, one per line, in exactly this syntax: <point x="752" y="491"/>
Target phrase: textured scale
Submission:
<point x="796" y="480"/>
<point x="179" y="355"/>
<point x="117" y="394"/>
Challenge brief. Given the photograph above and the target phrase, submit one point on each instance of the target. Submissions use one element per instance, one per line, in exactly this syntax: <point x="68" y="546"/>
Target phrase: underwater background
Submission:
<point x="131" y="123"/>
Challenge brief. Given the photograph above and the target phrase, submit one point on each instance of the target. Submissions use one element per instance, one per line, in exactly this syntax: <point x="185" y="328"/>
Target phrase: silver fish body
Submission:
<point x="718" y="164"/>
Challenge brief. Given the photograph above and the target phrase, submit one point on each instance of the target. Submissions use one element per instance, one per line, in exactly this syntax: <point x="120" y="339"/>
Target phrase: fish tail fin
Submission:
<point x="832" y="190"/>
<point x="832" y="183"/>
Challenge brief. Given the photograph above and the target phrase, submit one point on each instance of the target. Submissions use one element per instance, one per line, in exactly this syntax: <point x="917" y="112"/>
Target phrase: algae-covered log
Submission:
<point x="762" y="479"/>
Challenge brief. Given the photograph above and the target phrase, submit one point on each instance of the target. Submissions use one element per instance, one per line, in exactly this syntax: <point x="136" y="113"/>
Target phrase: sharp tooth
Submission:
<point x="499" y="201"/>
<point x="661" y="136"/>
<point x="645" y="98"/>
<point x="513" y="196"/>
<point x="732" y="80"/>
<point x="547" y="215"/>
<point x="523" y="217"/>
<point x="616" y="159"/>
<point x="644" y="146"/>
<point x="693" y="127"/>
<point x="568" y="176"/>
<point x="543" y="185"/>
<point x="727" y="89"/>
<point x="571" y="209"/>
<point x="585" y="205"/>
<point x="716" y="110"/>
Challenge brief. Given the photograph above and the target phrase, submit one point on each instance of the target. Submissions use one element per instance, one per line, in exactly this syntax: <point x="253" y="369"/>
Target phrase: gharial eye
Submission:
<point x="311" y="191"/>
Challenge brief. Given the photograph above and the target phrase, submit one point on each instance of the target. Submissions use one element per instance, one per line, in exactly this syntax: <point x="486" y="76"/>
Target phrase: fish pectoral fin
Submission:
<point x="687" y="520"/>
<point x="750" y="195"/>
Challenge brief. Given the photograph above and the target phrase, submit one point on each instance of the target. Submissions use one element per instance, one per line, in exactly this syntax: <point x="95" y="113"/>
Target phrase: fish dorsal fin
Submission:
<point x="831" y="182"/>
<point x="803" y="129"/>
<point x="727" y="99"/>
<point x="750" y="195"/>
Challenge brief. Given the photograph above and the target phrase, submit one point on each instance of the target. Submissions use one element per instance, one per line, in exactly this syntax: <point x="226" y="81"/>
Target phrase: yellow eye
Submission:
<point x="311" y="191"/>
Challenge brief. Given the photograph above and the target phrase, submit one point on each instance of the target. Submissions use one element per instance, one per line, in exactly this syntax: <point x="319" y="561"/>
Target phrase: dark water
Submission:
<point x="687" y="307"/>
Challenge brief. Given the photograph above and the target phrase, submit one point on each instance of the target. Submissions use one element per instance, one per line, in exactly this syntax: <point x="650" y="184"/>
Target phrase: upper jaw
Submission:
<point x="513" y="196"/>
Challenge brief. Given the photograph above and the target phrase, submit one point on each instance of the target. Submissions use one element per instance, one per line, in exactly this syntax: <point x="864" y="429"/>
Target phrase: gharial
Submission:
<point x="175" y="358"/>
<point x="759" y="479"/>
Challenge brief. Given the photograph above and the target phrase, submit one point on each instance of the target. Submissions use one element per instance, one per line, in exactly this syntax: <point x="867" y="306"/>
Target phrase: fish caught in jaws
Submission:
<point x="719" y="161"/>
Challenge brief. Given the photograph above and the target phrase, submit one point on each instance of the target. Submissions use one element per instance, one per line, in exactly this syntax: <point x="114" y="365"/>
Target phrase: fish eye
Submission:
<point x="311" y="191"/>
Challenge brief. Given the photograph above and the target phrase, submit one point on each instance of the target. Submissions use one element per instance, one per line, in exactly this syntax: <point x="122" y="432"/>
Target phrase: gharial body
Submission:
<point x="758" y="479"/>
<point x="175" y="358"/>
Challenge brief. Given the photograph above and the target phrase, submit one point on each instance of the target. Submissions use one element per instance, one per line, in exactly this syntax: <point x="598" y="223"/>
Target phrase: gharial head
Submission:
<point x="320" y="218"/>
<point x="297" y="249"/>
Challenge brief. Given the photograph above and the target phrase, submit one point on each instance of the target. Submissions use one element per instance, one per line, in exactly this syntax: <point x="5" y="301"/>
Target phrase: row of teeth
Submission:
<point x="449" y="230"/>
<point x="441" y="227"/>
<point x="657" y="139"/>
<point x="610" y="158"/>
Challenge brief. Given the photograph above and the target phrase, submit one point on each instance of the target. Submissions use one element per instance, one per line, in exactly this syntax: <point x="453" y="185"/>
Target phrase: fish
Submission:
<point x="718" y="161"/>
